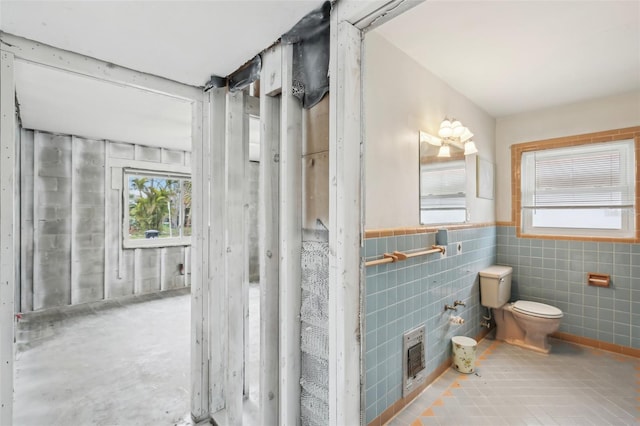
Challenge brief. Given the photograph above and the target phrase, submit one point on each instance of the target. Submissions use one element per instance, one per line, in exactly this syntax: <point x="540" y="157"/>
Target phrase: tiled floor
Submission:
<point x="574" y="385"/>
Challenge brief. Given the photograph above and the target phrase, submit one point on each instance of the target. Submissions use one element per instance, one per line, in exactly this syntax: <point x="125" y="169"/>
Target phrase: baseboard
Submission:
<point x="597" y="344"/>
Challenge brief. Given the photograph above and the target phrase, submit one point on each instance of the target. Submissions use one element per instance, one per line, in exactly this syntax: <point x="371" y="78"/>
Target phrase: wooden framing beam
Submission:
<point x="39" y="53"/>
<point x="290" y="243"/>
<point x="345" y="224"/>
<point x="373" y="13"/>
<point x="200" y="265"/>
<point x="237" y="151"/>
<point x="8" y="262"/>
<point x="217" y="250"/>
<point x="269" y="236"/>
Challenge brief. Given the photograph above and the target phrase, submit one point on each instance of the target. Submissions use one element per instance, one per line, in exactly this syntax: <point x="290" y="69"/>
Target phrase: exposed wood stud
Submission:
<point x="7" y="236"/>
<point x="200" y="272"/>
<point x="269" y="236"/>
<point x="218" y="249"/>
<point x="253" y="110"/>
<point x="290" y="243"/>
<point x="235" y="194"/>
<point x="345" y="224"/>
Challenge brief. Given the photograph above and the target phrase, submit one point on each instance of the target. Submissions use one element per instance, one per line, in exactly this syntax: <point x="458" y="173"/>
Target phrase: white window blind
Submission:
<point x="442" y="192"/>
<point x="583" y="188"/>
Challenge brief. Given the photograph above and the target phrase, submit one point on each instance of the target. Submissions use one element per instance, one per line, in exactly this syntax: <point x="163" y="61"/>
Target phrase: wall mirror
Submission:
<point x="442" y="185"/>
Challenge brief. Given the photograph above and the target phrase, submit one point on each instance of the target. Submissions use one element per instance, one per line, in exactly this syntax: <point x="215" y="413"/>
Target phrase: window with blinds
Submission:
<point x="442" y="192"/>
<point x="584" y="190"/>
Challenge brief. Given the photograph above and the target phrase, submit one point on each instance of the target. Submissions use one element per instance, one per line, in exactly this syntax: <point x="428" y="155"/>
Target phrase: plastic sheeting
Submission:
<point x="310" y="39"/>
<point x="246" y="75"/>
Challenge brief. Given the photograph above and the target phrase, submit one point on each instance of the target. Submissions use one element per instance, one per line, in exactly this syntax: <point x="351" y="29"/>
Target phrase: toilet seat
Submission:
<point x="536" y="309"/>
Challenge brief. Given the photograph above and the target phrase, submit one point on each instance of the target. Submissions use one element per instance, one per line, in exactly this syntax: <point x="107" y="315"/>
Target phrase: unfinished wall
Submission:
<point x="71" y="250"/>
<point x="314" y="315"/>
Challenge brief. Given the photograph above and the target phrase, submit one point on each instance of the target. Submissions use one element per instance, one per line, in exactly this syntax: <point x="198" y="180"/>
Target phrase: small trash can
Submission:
<point x="464" y="353"/>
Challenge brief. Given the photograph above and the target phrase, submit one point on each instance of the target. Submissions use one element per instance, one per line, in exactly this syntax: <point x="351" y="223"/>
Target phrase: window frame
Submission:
<point x="517" y="151"/>
<point x="128" y="243"/>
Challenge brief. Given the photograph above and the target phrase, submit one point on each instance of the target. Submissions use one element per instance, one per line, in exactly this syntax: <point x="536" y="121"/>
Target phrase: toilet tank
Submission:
<point x="495" y="286"/>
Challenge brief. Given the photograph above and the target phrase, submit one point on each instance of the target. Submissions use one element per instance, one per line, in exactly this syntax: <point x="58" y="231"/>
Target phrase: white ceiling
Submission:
<point x="185" y="41"/>
<point x="506" y="56"/>
<point x="515" y="56"/>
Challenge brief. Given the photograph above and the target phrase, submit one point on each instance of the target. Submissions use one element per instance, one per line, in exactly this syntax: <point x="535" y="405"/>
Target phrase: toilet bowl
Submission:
<point x="527" y="324"/>
<point x="522" y="323"/>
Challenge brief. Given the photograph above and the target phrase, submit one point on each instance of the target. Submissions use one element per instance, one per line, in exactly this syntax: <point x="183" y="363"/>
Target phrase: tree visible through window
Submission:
<point x="159" y="207"/>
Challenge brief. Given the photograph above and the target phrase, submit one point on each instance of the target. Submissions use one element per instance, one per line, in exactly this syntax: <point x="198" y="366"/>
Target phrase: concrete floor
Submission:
<point x="123" y="362"/>
<point x="114" y="363"/>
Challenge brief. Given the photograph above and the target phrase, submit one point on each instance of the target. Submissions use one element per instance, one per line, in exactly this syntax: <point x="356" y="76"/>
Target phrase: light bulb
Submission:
<point x="466" y="135"/>
<point x="470" y="148"/>
<point x="445" y="129"/>
<point x="457" y="128"/>
<point x="444" y="151"/>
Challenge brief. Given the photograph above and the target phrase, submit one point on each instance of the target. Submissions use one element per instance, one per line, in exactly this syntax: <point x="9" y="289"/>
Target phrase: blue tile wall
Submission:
<point x="554" y="272"/>
<point x="403" y="295"/>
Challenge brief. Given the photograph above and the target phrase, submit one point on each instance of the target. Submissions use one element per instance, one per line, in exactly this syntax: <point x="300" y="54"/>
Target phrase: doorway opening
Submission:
<point x="103" y="299"/>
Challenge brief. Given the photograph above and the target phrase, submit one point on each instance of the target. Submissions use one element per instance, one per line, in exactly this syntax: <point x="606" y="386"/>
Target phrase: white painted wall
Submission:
<point x="585" y="117"/>
<point x="401" y="98"/>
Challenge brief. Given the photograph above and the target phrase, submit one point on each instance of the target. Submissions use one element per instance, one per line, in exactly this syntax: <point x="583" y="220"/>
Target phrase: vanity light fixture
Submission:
<point x="432" y="140"/>
<point x="451" y="132"/>
<point x="470" y="147"/>
<point x="444" y="151"/>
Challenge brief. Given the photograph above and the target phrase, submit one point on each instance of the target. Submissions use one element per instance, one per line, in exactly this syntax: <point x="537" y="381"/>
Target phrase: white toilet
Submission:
<point x="522" y="323"/>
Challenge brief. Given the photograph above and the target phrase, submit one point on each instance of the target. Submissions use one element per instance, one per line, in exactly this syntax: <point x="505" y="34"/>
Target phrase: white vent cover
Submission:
<point x="414" y="372"/>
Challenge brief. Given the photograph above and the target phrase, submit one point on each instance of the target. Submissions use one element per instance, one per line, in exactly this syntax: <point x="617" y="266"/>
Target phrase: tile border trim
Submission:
<point x="394" y="232"/>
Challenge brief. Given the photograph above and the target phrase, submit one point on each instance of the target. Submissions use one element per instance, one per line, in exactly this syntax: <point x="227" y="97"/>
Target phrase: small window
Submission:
<point x="442" y="192"/>
<point x="584" y="190"/>
<point x="158" y="211"/>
